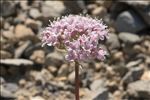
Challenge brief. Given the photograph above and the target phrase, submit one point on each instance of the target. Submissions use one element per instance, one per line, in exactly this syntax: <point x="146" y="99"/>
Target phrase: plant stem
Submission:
<point x="77" y="80"/>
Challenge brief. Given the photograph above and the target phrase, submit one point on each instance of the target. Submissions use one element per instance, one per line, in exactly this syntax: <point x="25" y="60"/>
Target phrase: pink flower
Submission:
<point x="78" y="35"/>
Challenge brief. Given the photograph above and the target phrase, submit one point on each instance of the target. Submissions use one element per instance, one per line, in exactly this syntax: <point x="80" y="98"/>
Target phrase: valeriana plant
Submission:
<point x="79" y="36"/>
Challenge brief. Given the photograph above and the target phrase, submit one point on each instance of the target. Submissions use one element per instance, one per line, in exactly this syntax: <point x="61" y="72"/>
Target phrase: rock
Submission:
<point x="146" y="75"/>
<point x="134" y="63"/>
<point x="12" y="87"/>
<point x="102" y="94"/>
<point x="104" y="3"/>
<point x="71" y="76"/>
<point x="142" y="8"/>
<point x="23" y="32"/>
<point x="129" y="38"/>
<point x="91" y="7"/>
<point x="74" y="7"/>
<point x="16" y="62"/>
<point x="2" y="80"/>
<point x="63" y="70"/>
<point x="139" y="89"/>
<point x="52" y="8"/>
<point x="6" y="94"/>
<point x="34" y="25"/>
<point x="54" y="58"/>
<point x="24" y="5"/>
<point x="19" y="51"/>
<point x="37" y="98"/>
<point x="99" y="11"/>
<point x="22" y="82"/>
<point x="29" y="51"/>
<point x="8" y="34"/>
<point x="10" y="6"/>
<point x="52" y="69"/>
<point x="38" y="56"/>
<point x="112" y="86"/>
<point x="133" y="75"/>
<point x="97" y="84"/>
<point x="113" y="42"/>
<point x="120" y="69"/>
<point x="131" y="19"/>
<point x="34" y="13"/>
<point x="3" y="71"/>
<point x="5" y="54"/>
<point x="20" y="18"/>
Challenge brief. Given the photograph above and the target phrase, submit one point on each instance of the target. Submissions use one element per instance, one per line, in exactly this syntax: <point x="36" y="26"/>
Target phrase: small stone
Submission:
<point x="133" y="63"/>
<point x="38" y="56"/>
<point x="71" y="76"/>
<point x="19" y="51"/>
<point x="97" y="84"/>
<point x="139" y="89"/>
<point x="23" y="32"/>
<point x="102" y="94"/>
<point x="34" y="13"/>
<point x="52" y="69"/>
<point x="52" y="8"/>
<point x="99" y="11"/>
<point x="104" y="3"/>
<point x="37" y="98"/>
<point x="2" y="80"/>
<point x="129" y="18"/>
<point x="22" y="82"/>
<point x="54" y="58"/>
<point x="146" y="75"/>
<point x="63" y="70"/>
<point x="133" y="75"/>
<point x="74" y="7"/>
<point x="129" y="37"/>
<point x="10" y="6"/>
<point x="8" y="34"/>
<point x="29" y="51"/>
<point x="5" y="54"/>
<point x="6" y="94"/>
<point x="16" y="62"/>
<point x="24" y="5"/>
<point x="118" y="56"/>
<point x="34" y="25"/>
<point x="12" y="87"/>
<point x="113" y="42"/>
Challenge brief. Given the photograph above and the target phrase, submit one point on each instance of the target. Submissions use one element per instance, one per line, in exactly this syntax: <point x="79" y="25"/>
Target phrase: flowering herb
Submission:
<point x="78" y="35"/>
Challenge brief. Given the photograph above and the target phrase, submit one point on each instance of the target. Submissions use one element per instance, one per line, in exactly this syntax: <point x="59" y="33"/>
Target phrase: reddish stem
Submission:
<point x="77" y="80"/>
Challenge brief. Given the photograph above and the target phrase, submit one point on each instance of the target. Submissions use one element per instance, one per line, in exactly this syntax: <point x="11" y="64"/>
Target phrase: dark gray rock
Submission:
<point x="133" y="75"/>
<point x="129" y="37"/>
<point x="113" y="42"/>
<point x="102" y="94"/>
<point x="129" y="21"/>
<point x="142" y="8"/>
<point x="139" y="89"/>
<point x="75" y="7"/>
<point x="7" y="8"/>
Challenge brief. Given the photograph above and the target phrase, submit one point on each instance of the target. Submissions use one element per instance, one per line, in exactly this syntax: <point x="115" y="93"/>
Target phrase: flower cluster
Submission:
<point x="78" y="35"/>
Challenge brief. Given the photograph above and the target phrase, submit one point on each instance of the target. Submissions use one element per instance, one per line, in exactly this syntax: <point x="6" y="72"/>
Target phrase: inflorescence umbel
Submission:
<point x="78" y="35"/>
